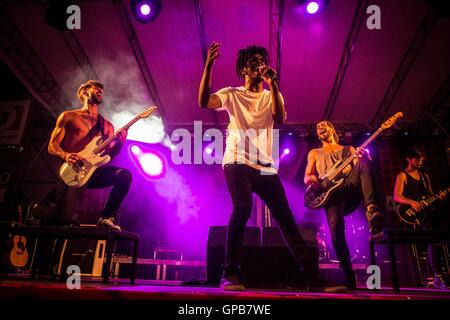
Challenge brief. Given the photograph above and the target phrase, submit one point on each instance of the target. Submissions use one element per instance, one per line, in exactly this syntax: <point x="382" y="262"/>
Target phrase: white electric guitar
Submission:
<point x="78" y="174"/>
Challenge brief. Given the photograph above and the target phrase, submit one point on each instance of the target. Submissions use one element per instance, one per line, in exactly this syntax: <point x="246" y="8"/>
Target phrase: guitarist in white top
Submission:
<point x="410" y="185"/>
<point x="73" y="131"/>
<point x="345" y="199"/>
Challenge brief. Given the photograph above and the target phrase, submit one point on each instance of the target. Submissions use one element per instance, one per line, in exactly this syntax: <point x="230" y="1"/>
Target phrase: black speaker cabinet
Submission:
<point x="265" y="261"/>
<point x="279" y="267"/>
<point x="250" y="254"/>
<point x="88" y="254"/>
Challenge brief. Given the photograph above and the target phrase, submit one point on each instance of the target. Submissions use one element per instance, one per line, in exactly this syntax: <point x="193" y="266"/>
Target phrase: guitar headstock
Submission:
<point x="390" y="122"/>
<point x="148" y="112"/>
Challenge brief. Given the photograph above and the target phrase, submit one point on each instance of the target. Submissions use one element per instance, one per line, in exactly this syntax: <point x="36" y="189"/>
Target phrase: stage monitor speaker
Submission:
<point x="278" y="266"/>
<point x="88" y="254"/>
<point x="250" y="254"/>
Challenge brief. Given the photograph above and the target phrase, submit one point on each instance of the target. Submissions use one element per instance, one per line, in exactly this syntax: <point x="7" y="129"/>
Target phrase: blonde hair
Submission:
<point x="87" y="85"/>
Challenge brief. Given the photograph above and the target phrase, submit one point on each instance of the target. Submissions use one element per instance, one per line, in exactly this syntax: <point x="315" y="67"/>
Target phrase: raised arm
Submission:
<point x="205" y="98"/>
<point x="310" y="171"/>
<point x="278" y="111"/>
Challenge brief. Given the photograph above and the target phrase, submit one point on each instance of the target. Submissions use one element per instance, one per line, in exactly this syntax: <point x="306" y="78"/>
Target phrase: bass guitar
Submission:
<point x="316" y="195"/>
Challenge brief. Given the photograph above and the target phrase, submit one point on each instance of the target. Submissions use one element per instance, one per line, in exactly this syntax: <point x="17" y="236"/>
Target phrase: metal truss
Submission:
<point x="203" y="46"/>
<point x="276" y="18"/>
<point x="71" y="41"/>
<point x="412" y="52"/>
<point x="436" y="110"/>
<point x="350" y="44"/>
<point x="27" y="65"/>
<point x="130" y="34"/>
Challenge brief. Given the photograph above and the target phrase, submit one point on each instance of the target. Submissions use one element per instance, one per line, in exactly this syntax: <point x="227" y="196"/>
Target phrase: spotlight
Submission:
<point x="312" y="7"/>
<point x="286" y="151"/>
<point x="145" y="11"/>
<point x="135" y="150"/>
<point x="208" y="150"/>
<point x="150" y="162"/>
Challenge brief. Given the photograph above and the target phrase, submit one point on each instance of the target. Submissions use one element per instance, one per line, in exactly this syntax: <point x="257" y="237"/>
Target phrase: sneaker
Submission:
<point x="108" y="222"/>
<point x="350" y="280"/>
<point x="231" y="283"/>
<point x="437" y="283"/>
<point x="318" y="284"/>
<point x="375" y="218"/>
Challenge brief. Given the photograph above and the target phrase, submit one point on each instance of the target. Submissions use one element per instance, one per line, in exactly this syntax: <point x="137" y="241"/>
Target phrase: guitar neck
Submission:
<point x="105" y="143"/>
<point x="435" y="197"/>
<point x="353" y="156"/>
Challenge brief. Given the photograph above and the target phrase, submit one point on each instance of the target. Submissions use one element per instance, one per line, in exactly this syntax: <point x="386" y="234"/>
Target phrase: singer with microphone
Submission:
<point x="253" y="109"/>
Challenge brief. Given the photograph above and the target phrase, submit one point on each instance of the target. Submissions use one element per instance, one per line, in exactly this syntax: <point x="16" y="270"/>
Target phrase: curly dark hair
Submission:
<point x="87" y="85"/>
<point x="244" y="55"/>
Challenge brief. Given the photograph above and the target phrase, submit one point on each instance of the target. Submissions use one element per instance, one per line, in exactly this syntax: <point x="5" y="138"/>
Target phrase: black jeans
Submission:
<point x="358" y="185"/>
<point x="242" y="181"/>
<point x="435" y="252"/>
<point x="103" y="177"/>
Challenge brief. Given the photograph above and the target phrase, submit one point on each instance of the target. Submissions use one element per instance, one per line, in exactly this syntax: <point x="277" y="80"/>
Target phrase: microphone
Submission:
<point x="270" y="73"/>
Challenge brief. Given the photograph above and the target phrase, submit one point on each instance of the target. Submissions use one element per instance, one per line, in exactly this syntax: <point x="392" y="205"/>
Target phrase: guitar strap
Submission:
<point x="101" y="125"/>
<point x="424" y="183"/>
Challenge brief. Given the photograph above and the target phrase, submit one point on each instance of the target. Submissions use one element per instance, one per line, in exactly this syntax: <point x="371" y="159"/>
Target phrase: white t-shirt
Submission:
<point x="250" y="131"/>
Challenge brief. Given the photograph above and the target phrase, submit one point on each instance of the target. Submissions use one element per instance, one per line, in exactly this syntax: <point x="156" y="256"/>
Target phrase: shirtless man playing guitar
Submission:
<point x="73" y="131"/>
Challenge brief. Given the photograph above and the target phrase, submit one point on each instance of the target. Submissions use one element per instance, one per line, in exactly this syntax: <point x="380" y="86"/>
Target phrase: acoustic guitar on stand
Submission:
<point x="18" y="256"/>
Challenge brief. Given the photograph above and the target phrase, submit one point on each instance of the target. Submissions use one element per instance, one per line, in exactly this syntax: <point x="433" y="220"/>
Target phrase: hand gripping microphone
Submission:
<point x="270" y="73"/>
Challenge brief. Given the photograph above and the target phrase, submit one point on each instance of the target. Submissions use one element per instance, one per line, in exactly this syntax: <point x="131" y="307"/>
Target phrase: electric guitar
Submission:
<point x="408" y="215"/>
<point x="78" y="174"/>
<point x="316" y="195"/>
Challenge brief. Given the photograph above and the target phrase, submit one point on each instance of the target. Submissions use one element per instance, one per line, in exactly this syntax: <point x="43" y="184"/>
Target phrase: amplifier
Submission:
<point x="88" y="254"/>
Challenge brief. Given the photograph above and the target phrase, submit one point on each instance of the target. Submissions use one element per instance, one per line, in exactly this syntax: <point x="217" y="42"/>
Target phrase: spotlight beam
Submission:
<point x="133" y="41"/>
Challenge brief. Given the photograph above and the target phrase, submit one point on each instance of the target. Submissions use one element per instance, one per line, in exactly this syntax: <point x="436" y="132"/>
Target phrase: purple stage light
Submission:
<point x="151" y="164"/>
<point x="286" y="151"/>
<point x="312" y="7"/>
<point x="208" y="150"/>
<point x="135" y="149"/>
<point x="145" y="9"/>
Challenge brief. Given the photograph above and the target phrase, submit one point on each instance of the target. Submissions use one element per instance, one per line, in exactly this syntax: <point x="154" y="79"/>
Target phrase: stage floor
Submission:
<point x="13" y="289"/>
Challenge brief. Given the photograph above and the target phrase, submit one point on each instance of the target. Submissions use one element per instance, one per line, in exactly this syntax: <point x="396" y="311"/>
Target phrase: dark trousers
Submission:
<point x="242" y="181"/>
<point x="435" y="252"/>
<point x="358" y="185"/>
<point x="103" y="177"/>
